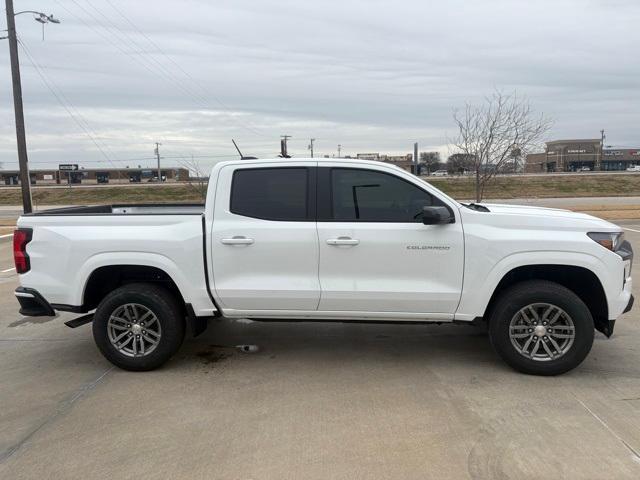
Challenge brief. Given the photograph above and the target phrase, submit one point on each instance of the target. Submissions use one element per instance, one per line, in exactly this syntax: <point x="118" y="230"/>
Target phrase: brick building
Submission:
<point x="573" y="155"/>
<point x="403" y="161"/>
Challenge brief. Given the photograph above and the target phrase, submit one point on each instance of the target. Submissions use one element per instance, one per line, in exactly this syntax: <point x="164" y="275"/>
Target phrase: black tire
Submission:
<point x="162" y="303"/>
<point x="512" y="300"/>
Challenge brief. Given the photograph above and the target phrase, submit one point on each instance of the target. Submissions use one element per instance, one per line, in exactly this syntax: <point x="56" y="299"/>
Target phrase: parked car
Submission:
<point x="634" y="168"/>
<point x="440" y="173"/>
<point x="326" y="240"/>
<point x="584" y="169"/>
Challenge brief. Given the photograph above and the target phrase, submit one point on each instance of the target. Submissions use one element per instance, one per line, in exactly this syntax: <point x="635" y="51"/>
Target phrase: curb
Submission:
<point x="6" y="238"/>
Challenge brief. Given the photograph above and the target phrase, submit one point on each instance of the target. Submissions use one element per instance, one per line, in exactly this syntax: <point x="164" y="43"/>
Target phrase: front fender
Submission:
<point x="475" y="298"/>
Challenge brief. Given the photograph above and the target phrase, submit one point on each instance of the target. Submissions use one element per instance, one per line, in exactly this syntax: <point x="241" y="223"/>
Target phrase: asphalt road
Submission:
<point x="316" y="401"/>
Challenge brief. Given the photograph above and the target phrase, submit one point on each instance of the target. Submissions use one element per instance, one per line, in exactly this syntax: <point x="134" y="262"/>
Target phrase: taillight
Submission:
<point x="21" y="237"/>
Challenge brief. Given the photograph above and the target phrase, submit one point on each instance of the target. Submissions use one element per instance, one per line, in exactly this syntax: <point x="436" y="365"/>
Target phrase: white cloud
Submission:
<point x="370" y="75"/>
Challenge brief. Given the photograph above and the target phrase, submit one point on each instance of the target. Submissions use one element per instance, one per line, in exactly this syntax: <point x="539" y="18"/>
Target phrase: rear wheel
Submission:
<point x="541" y="328"/>
<point x="138" y="326"/>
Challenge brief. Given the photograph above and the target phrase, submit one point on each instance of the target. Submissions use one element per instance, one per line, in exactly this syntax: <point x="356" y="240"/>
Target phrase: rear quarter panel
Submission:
<point x="65" y="250"/>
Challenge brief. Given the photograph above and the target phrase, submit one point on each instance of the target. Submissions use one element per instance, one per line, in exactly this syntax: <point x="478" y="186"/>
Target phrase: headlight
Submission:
<point x="609" y="240"/>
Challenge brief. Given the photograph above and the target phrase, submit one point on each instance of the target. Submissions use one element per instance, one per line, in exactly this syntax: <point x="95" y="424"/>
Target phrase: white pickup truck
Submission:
<point x="326" y="240"/>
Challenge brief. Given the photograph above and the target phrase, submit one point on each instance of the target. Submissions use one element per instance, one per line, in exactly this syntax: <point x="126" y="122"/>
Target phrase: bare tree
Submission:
<point x="198" y="180"/>
<point x="491" y="133"/>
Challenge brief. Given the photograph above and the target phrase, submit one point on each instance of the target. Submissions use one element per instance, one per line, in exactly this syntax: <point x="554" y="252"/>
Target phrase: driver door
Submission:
<point x="376" y="255"/>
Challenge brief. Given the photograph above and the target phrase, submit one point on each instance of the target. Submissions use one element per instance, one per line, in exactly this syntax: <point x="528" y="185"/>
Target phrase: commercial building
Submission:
<point x="96" y="175"/>
<point x="403" y="161"/>
<point x="581" y="154"/>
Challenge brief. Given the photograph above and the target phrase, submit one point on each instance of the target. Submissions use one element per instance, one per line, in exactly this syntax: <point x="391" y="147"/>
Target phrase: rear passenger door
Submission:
<point x="265" y="243"/>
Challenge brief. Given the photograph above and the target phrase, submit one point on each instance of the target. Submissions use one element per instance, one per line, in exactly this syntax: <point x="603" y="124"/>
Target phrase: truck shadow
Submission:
<point x="31" y="321"/>
<point x="464" y="349"/>
<point x="302" y="342"/>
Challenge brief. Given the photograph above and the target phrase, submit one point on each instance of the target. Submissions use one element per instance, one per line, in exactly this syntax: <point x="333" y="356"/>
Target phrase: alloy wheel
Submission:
<point x="134" y="330"/>
<point x="542" y="332"/>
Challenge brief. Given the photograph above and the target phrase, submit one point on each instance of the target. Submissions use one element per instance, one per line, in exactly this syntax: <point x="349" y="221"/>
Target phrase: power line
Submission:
<point x="49" y="86"/>
<point x="146" y="62"/>
<point x="168" y="57"/>
<point x="76" y="116"/>
<point x="56" y="87"/>
<point x="73" y="112"/>
<point x="142" y="60"/>
<point x="151" y="64"/>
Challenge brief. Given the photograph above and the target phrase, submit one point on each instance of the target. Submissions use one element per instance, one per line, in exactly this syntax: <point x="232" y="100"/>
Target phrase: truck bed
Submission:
<point x="126" y="209"/>
<point x="69" y="244"/>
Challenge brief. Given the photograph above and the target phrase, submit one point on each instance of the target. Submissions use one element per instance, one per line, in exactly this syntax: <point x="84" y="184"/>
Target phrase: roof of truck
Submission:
<point x="308" y="159"/>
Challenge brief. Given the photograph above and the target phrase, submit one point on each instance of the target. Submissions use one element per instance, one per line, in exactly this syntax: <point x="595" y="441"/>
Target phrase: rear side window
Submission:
<point x="270" y="193"/>
<point x="359" y="195"/>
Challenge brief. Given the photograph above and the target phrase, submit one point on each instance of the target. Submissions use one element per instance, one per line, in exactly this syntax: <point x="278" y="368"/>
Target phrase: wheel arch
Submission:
<point x="104" y="279"/>
<point x="580" y="280"/>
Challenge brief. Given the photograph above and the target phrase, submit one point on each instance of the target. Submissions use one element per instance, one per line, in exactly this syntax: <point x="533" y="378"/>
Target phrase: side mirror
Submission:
<point x="437" y="216"/>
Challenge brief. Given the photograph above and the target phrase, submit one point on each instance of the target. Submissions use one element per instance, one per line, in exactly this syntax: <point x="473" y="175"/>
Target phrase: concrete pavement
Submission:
<point x="316" y="401"/>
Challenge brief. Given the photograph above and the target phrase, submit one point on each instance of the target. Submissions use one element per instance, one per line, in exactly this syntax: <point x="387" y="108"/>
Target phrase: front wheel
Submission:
<point x="138" y="326"/>
<point x="541" y="328"/>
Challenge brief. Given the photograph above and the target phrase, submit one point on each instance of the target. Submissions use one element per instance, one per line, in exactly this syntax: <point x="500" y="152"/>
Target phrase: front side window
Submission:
<point x="370" y="196"/>
<point x="270" y="193"/>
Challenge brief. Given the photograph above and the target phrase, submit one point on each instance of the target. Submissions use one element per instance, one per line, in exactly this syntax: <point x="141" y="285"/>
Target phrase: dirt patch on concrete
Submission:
<point x="214" y="354"/>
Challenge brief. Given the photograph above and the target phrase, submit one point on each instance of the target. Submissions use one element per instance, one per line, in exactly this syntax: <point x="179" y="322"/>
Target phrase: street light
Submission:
<point x="25" y="180"/>
<point x="40" y="17"/>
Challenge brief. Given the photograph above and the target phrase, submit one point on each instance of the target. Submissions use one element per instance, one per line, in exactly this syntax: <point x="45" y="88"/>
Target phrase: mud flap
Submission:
<point x="79" y="321"/>
<point x="197" y="324"/>
<point x="605" y="326"/>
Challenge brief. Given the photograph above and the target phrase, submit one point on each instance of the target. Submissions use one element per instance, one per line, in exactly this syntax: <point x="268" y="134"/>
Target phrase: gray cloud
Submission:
<point x="371" y="75"/>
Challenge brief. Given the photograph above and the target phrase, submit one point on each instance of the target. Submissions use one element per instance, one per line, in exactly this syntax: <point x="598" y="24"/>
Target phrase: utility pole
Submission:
<point x="283" y="146"/>
<point x="157" y="151"/>
<point x="339" y="148"/>
<point x="23" y="161"/>
<point x="602" y="138"/>
<point x="415" y="158"/>
<point x="311" y="146"/>
<point x="25" y="180"/>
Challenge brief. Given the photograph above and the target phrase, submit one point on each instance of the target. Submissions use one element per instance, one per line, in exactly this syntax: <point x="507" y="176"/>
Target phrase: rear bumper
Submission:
<point x="33" y="304"/>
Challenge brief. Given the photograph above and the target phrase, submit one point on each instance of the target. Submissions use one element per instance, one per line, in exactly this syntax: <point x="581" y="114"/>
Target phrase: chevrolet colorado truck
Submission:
<point x="326" y="240"/>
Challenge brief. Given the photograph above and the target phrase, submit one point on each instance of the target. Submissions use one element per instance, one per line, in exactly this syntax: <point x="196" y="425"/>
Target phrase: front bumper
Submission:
<point x="622" y="302"/>
<point x="32" y="304"/>
<point x="629" y="305"/>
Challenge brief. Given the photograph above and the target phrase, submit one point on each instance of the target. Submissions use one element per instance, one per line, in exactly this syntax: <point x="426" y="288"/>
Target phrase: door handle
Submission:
<point x="237" y="240"/>
<point x="343" y="241"/>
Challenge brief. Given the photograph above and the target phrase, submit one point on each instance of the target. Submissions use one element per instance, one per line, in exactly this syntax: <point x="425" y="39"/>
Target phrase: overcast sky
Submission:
<point x="373" y="76"/>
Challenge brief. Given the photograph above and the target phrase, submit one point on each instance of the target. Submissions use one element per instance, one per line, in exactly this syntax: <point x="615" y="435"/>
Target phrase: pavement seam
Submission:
<point x="34" y="339"/>
<point x="60" y="411"/>
<point x="633" y="451"/>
